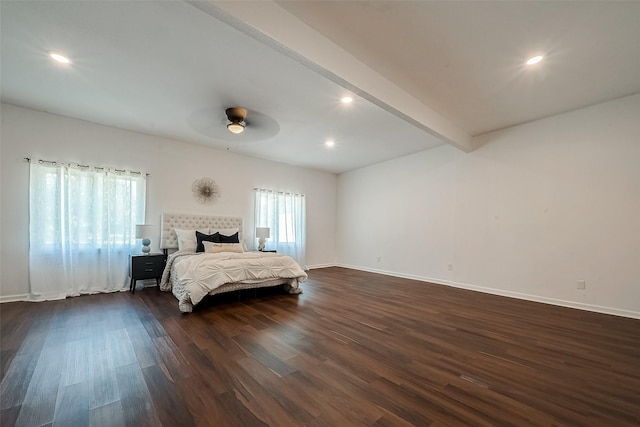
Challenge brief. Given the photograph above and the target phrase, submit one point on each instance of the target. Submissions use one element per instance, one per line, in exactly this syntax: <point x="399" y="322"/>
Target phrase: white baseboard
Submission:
<point x="528" y="297"/>
<point x="311" y="267"/>
<point x="13" y="298"/>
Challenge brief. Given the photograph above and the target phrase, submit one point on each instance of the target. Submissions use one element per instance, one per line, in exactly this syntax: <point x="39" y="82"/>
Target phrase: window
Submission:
<point x="81" y="228"/>
<point x="284" y="214"/>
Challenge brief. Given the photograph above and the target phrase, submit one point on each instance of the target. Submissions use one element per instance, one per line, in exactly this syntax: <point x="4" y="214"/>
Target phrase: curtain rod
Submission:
<point x="51" y="162"/>
<point x="277" y="192"/>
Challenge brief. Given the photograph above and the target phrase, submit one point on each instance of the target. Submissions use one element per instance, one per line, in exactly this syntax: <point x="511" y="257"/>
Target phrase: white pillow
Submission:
<point x="187" y="238"/>
<point x="215" y="248"/>
<point x="224" y="231"/>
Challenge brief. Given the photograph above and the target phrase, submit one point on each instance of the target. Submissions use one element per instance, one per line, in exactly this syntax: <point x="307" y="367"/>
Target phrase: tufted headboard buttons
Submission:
<point x="168" y="238"/>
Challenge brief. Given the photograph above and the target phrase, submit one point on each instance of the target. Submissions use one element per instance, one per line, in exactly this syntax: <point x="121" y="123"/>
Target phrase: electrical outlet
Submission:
<point x="581" y="284"/>
<point x="379" y="258"/>
<point x="450" y="267"/>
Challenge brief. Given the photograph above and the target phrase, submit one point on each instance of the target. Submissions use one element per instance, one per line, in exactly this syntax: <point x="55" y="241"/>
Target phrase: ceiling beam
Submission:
<point x="267" y="22"/>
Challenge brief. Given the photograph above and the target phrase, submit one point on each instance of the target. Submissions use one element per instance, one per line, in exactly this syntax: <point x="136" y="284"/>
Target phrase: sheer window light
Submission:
<point x="284" y="214"/>
<point x="81" y="228"/>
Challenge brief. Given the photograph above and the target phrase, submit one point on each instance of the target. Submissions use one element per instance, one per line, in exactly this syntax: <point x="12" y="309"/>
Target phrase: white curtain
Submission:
<point x="81" y="228"/>
<point x="284" y="214"/>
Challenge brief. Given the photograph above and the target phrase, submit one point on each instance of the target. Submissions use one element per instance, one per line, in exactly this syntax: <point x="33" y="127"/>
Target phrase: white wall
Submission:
<point x="534" y="209"/>
<point x="172" y="165"/>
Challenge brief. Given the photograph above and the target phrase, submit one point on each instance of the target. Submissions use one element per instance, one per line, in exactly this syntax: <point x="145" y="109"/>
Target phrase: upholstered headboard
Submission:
<point x="168" y="238"/>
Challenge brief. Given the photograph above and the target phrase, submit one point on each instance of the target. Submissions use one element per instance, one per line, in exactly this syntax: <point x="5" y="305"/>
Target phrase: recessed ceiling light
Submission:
<point x="59" y="57"/>
<point x="534" y="60"/>
<point x="346" y="100"/>
<point x="330" y="143"/>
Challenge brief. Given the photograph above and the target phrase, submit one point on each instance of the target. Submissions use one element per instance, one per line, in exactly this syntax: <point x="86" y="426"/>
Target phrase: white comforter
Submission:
<point x="201" y="273"/>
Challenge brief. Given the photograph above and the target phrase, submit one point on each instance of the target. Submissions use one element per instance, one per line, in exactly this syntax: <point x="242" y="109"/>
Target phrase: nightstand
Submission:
<point x="143" y="267"/>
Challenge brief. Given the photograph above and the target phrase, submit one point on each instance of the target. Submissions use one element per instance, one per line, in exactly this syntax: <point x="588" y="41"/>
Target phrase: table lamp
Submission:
<point x="262" y="233"/>
<point x="144" y="232"/>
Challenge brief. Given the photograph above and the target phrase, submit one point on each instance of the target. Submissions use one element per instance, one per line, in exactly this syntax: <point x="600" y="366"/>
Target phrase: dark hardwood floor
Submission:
<point x="355" y="349"/>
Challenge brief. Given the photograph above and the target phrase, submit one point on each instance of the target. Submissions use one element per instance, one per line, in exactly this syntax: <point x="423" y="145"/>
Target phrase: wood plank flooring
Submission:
<point x="355" y="349"/>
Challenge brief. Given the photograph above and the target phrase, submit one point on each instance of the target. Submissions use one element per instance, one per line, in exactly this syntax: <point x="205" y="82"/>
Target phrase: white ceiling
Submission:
<point x="466" y="60"/>
<point x="425" y="73"/>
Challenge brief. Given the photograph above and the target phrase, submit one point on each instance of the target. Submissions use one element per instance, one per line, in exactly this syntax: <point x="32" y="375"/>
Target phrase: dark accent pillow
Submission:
<point x="201" y="237"/>
<point x="228" y="239"/>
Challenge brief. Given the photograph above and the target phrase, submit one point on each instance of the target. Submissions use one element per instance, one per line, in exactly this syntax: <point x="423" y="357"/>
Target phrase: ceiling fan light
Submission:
<point x="235" y="127"/>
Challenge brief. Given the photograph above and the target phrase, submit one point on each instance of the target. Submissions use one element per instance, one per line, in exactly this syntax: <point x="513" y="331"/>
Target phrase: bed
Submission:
<point x="225" y="266"/>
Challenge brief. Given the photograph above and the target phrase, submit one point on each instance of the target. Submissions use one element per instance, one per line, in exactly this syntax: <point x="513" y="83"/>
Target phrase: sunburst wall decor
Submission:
<point x="205" y="191"/>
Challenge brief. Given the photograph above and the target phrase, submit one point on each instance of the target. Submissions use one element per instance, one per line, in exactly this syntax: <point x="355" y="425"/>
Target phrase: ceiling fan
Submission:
<point x="236" y="116"/>
<point x="238" y="124"/>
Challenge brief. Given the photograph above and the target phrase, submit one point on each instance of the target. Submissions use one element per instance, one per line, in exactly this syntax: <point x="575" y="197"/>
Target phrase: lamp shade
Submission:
<point x="263" y="232"/>
<point x="144" y="231"/>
